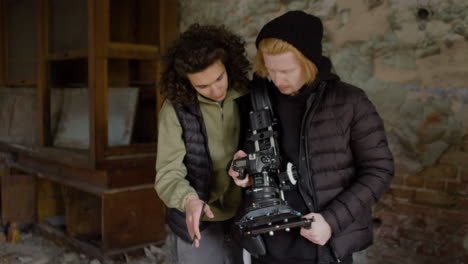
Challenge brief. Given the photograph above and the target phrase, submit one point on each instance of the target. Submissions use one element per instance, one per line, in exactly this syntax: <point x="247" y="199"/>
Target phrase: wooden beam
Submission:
<point x="88" y="180"/>
<point x="98" y="30"/>
<point x="2" y="44"/>
<point x="71" y="157"/>
<point x="123" y="178"/>
<point x="68" y="55"/>
<point x="129" y="150"/>
<point x="168" y="24"/>
<point x="132" y="51"/>
<point x="4" y="17"/>
<point x="168" y="31"/>
<point x="22" y="83"/>
<point x="43" y="87"/>
<point x="127" y="162"/>
<point x="79" y="160"/>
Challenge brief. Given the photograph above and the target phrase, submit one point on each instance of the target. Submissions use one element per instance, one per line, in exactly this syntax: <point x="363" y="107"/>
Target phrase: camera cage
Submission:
<point x="265" y="210"/>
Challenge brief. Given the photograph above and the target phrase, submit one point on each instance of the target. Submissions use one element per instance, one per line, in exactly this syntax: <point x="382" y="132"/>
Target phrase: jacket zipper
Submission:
<point x="221" y="109"/>
<point x="334" y="252"/>
<point x="311" y="112"/>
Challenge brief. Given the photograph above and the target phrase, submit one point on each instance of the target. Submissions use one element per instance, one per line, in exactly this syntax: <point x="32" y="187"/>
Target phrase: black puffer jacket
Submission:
<point x="345" y="163"/>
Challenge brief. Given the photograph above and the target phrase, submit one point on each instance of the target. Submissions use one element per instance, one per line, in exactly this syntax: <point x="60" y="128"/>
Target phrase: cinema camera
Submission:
<point x="265" y="210"/>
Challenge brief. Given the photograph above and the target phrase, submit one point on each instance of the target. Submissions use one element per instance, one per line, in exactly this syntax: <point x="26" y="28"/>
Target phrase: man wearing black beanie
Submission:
<point x="334" y="136"/>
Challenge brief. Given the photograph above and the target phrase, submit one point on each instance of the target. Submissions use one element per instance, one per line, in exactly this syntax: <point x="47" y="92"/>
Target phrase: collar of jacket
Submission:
<point x="231" y="95"/>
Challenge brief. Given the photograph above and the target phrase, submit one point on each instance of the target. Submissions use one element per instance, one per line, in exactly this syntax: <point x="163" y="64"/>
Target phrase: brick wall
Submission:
<point x="425" y="215"/>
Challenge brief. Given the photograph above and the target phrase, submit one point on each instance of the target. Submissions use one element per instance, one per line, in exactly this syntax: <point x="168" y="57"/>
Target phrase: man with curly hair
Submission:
<point x="205" y="72"/>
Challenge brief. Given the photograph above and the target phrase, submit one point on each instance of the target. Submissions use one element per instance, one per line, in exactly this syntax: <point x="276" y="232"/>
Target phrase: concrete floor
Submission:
<point x="33" y="248"/>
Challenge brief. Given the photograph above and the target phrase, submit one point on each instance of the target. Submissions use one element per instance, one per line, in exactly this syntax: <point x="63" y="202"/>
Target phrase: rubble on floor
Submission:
<point x="32" y="248"/>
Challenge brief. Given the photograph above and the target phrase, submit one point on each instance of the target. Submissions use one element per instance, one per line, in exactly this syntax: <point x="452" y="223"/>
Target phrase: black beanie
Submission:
<point x="299" y="29"/>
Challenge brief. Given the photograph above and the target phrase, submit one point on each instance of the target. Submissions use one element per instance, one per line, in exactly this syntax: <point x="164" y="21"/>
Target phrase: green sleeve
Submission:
<point x="170" y="183"/>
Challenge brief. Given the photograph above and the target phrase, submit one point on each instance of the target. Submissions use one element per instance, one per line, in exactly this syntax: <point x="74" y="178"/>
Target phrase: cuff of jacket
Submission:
<point x="181" y="206"/>
<point x="331" y="219"/>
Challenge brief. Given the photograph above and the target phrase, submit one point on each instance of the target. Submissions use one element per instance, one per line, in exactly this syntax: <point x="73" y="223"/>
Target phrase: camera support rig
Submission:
<point x="265" y="210"/>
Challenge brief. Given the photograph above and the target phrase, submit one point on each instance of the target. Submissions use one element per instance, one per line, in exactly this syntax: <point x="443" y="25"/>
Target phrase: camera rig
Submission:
<point x="264" y="209"/>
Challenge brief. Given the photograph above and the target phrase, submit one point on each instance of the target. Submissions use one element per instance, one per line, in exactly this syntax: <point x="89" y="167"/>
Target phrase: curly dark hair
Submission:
<point x="196" y="49"/>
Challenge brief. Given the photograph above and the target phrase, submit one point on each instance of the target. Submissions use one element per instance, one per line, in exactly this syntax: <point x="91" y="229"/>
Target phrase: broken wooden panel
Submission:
<point x="50" y="204"/>
<point x="18" y="110"/>
<point x="18" y="199"/>
<point x="23" y="124"/>
<point x="132" y="217"/>
<point x="83" y="214"/>
<point x="73" y="129"/>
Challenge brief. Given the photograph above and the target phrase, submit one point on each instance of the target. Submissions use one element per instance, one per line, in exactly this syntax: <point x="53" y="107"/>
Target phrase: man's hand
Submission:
<point x="193" y="209"/>
<point x="320" y="231"/>
<point x="235" y="175"/>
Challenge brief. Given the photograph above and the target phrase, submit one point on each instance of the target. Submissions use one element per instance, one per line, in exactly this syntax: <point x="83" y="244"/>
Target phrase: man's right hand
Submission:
<point x="193" y="209"/>
<point x="235" y="175"/>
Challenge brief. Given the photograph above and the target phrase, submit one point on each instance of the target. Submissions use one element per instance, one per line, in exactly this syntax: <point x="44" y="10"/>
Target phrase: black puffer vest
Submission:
<point x="198" y="163"/>
<point x="197" y="160"/>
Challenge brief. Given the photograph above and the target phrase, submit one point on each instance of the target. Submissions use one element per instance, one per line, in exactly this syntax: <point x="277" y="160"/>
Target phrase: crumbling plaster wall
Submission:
<point x="411" y="57"/>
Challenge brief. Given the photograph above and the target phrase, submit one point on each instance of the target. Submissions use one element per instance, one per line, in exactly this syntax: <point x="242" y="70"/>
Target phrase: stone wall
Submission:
<point x="411" y="57"/>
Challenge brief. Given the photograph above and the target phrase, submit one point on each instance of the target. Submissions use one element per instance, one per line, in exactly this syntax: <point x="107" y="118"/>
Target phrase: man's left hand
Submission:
<point x="320" y="231"/>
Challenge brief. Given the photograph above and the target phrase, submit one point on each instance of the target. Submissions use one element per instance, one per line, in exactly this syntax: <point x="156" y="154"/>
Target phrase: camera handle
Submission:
<point x="240" y="165"/>
<point x="290" y="175"/>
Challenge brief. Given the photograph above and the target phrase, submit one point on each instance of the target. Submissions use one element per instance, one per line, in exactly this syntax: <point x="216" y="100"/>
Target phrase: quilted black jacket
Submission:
<point x="344" y="162"/>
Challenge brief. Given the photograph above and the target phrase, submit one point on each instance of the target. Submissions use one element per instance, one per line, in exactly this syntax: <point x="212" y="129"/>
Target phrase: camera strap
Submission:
<point x="259" y="95"/>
